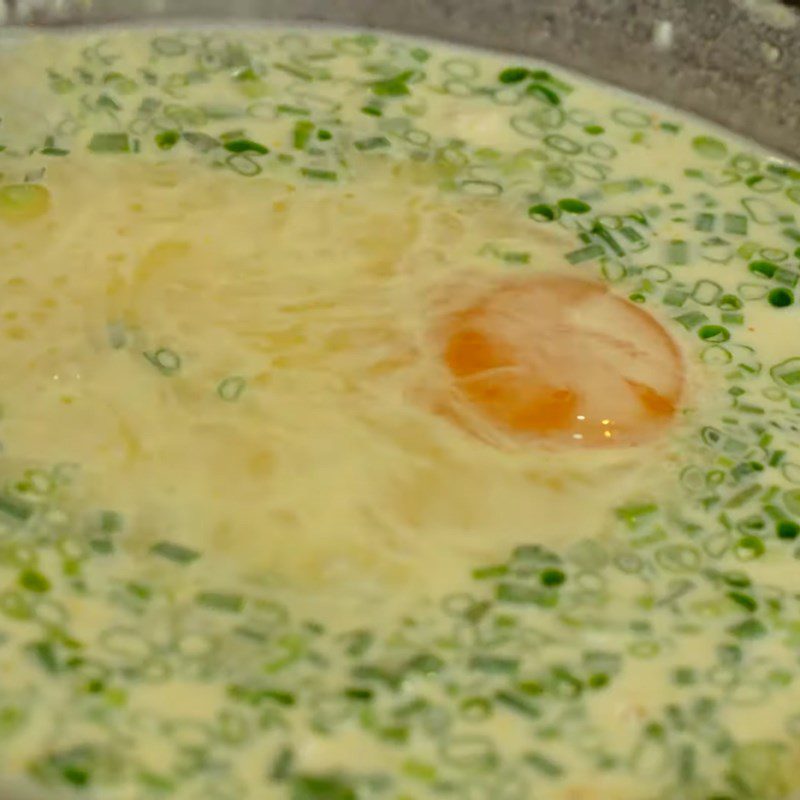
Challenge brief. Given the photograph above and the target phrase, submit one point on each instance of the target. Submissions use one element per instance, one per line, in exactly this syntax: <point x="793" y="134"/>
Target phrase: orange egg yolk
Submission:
<point x="562" y="359"/>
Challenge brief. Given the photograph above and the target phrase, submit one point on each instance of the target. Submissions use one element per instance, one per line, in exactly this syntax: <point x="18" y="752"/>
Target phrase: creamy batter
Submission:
<point x="382" y="419"/>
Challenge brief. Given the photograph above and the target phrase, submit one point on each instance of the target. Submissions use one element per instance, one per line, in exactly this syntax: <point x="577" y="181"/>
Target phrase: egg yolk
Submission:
<point x="562" y="359"/>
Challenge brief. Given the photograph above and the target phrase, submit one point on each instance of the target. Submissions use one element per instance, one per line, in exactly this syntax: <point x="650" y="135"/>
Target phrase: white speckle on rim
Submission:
<point x="772" y="54"/>
<point x="663" y="34"/>
<point x="771" y="12"/>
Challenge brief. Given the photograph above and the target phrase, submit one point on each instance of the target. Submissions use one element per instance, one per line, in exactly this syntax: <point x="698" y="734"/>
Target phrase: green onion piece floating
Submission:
<point x="166" y="361"/>
<point x="573" y="206"/>
<point x="34" y="581"/>
<point x="709" y="147"/>
<point x="245" y="146"/>
<point x="544" y="765"/>
<point x="780" y="298"/>
<point x="230" y="389"/>
<point x="544" y="93"/>
<point x="373" y="143"/>
<point x="552" y="577"/>
<point x="764" y="268"/>
<point x="786" y="529"/>
<point x="13" y="507"/>
<point x="166" y="140"/>
<point x="110" y="143"/>
<point x="787" y="373"/>
<point x="494" y="665"/>
<point x="588" y="253"/>
<point x="735" y="224"/>
<point x="201" y="141"/>
<point x="221" y="601"/>
<point x="175" y="552"/>
<point x="677" y="252"/>
<point x="714" y="333"/>
<point x="302" y="133"/>
<point x="513" y="75"/>
<point x="320" y="174"/>
<point x="322" y="787"/>
<point x="746" y="601"/>
<point x="393" y="87"/>
<point x="749" y="629"/>
<point x="541" y="212"/>
<point x="282" y="764"/>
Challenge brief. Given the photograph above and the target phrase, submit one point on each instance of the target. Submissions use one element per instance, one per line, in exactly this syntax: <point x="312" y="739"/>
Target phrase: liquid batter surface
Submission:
<point x="383" y="420"/>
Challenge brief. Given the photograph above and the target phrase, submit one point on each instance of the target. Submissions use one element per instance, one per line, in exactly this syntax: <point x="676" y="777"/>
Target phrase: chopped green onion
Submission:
<point x="16" y="508"/>
<point x="704" y="222"/>
<point x="749" y="629"/>
<point x="282" y="765"/>
<point x="521" y="594"/>
<point x="296" y="111"/>
<point x="221" y="601"/>
<point x="675" y="297"/>
<point x="175" y="552"/>
<point x="167" y="361"/>
<point x="201" y="141"/>
<point x="111" y="522"/>
<point x="494" y="665"/>
<point x="746" y="601"/>
<point x="34" y="581"/>
<point x="552" y="577"/>
<point x="166" y="140"/>
<point x="749" y="547"/>
<point x="393" y="87"/>
<point x="110" y="143"/>
<point x="677" y="252"/>
<point x="44" y="652"/>
<point x="518" y="703"/>
<point x="513" y="75"/>
<point x="541" y="212"/>
<point x="322" y="787"/>
<point x="373" y="143"/>
<point x="709" y="147"/>
<point x="574" y="206"/>
<point x="714" y="333"/>
<point x="320" y="174"/>
<point x="485" y="573"/>
<point x="302" y="133"/>
<point x="765" y="268"/>
<point x="544" y="93"/>
<point x="735" y="224"/>
<point x="787" y="373"/>
<point x="245" y="146"/>
<point x="230" y="389"/>
<point x="543" y="765"/>
<point x="780" y="298"/>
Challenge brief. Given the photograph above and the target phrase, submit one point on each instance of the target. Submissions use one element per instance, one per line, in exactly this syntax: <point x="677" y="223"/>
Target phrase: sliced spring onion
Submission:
<point x="110" y="143"/>
<point x="167" y="361"/>
<point x="245" y="146"/>
<point x="221" y="601"/>
<point x="230" y="389"/>
<point x="320" y="174"/>
<point x="175" y="552"/>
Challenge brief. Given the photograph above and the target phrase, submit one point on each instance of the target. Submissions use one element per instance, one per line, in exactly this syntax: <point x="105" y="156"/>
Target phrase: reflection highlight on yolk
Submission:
<point x="562" y="359"/>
